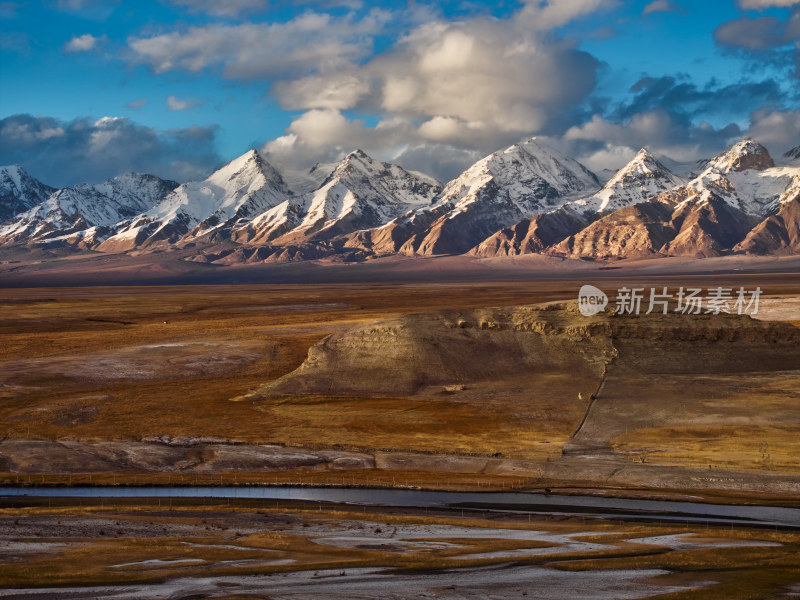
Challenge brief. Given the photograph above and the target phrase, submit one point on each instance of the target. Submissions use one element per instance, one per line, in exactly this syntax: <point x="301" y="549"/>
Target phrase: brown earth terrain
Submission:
<point x="399" y="384"/>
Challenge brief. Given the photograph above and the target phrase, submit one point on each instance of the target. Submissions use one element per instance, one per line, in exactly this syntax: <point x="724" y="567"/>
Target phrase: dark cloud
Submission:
<point x="687" y="101"/>
<point x="602" y="143"/>
<point x="766" y="40"/>
<point x="66" y="153"/>
<point x="680" y="118"/>
<point x="759" y="33"/>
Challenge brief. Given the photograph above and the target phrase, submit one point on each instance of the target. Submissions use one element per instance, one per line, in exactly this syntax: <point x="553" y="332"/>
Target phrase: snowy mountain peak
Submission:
<point x="359" y="169"/>
<point x="534" y="145"/>
<point x="644" y="164"/>
<point x="530" y="166"/>
<point x="745" y="155"/>
<point x="242" y="188"/>
<point x="359" y="153"/>
<point x="501" y="189"/>
<point x="553" y="166"/>
<point x="357" y="160"/>
<point x="360" y="193"/>
<point x="525" y="179"/>
<point x="19" y="191"/>
<point x="249" y="171"/>
<point x="642" y="178"/>
<point x="13" y="175"/>
<point x="74" y="215"/>
<point x="793" y="154"/>
<point x="133" y="189"/>
<point x="746" y="178"/>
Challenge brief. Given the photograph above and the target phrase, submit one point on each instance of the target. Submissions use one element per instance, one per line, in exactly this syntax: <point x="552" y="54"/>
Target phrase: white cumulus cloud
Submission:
<point x="476" y="84"/>
<point x="311" y="42"/>
<point x="84" y="43"/>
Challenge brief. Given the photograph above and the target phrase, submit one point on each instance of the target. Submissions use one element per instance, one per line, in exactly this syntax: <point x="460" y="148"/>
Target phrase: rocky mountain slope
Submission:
<point x="241" y="189"/>
<point x="360" y="193"/>
<point x="707" y="216"/>
<point x="85" y="214"/>
<point x="499" y="190"/>
<point x="777" y="234"/>
<point x="532" y="236"/>
<point x="19" y="191"/>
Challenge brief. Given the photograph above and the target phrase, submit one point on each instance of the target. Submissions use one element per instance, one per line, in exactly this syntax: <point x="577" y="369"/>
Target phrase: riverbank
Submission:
<point x="134" y="548"/>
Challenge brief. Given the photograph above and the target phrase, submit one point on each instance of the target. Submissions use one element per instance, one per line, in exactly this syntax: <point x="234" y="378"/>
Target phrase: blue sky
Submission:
<point x="93" y="88"/>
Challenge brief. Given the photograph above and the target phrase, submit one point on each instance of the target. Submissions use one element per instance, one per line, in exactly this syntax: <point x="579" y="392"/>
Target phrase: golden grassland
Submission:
<point x="284" y="323"/>
<point x="745" y="422"/>
<point x="530" y="418"/>
<point x="36" y="323"/>
<point x="493" y="419"/>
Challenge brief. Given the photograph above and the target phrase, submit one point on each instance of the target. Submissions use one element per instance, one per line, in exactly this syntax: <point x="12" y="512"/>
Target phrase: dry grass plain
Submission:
<point x="182" y="363"/>
<point x="170" y="385"/>
<point x="267" y="329"/>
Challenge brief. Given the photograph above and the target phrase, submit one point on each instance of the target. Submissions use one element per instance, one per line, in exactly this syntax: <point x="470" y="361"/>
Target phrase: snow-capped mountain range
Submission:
<point x="360" y="193"/>
<point x="526" y="198"/>
<point x="243" y="188"/>
<point x="85" y="214"/>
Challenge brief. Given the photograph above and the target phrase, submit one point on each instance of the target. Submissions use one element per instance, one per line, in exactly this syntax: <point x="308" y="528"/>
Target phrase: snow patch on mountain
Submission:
<point x="71" y="210"/>
<point x="241" y="189"/>
<point x="360" y="193"/>
<point x="642" y="178"/>
<point x="746" y="178"/>
<point x="19" y="191"/>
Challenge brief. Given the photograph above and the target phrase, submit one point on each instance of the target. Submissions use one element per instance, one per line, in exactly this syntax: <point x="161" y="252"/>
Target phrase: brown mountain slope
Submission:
<point x="634" y="231"/>
<point x="778" y="234"/>
<point x="531" y="235"/>
<point x="401" y="235"/>
<point x="706" y="228"/>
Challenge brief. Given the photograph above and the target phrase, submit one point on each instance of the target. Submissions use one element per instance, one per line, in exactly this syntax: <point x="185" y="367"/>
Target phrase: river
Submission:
<point x="620" y="508"/>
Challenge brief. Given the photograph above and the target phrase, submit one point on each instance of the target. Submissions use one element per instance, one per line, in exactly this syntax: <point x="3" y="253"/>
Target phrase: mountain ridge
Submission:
<point x="19" y="191"/>
<point x="83" y="214"/>
<point x="526" y="198"/>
